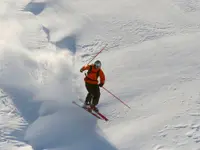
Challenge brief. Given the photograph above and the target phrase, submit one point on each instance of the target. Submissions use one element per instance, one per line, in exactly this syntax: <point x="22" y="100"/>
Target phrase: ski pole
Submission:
<point x="97" y="54"/>
<point x="116" y="97"/>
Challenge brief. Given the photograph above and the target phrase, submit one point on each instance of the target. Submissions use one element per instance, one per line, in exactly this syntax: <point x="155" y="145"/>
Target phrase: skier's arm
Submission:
<point x="86" y="67"/>
<point x="102" y="78"/>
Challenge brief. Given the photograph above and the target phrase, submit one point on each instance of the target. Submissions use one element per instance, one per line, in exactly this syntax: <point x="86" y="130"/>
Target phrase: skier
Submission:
<point x="92" y="84"/>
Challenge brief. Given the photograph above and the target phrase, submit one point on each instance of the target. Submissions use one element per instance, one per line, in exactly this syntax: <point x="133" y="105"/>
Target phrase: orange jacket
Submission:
<point x="93" y="74"/>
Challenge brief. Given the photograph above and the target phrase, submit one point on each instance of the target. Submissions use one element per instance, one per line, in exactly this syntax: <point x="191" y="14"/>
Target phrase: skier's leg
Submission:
<point x="96" y="94"/>
<point x="88" y="99"/>
<point x="89" y="95"/>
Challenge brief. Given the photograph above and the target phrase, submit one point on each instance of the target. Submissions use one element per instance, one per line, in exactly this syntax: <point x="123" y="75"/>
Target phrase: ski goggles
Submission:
<point x="97" y="65"/>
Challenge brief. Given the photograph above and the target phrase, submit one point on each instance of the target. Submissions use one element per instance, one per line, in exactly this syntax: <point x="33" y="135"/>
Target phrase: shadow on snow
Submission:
<point x="68" y="42"/>
<point x="35" y="7"/>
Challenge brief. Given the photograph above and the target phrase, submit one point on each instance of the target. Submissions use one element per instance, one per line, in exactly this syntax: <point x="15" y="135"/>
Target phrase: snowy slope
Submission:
<point x="151" y="62"/>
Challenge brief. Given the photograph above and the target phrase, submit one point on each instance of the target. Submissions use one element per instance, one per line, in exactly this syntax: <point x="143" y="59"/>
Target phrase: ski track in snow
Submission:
<point x="35" y="75"/>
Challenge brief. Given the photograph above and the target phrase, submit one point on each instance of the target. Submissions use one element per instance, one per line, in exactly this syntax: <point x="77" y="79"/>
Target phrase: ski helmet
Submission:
<point x="97" y="64"/>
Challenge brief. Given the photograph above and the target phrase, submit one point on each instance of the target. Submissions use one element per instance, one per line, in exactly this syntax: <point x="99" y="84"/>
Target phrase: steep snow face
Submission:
<point x="37" y="75"/>
<point x="151" y="62"/>
<point x="11" y="124"/>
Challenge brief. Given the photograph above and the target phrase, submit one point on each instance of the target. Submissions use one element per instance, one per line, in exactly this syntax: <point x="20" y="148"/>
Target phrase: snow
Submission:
<point x="151" y="62"/>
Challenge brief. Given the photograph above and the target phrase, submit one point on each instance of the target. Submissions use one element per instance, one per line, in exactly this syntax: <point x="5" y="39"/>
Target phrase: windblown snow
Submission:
<point x="151" y="63"/>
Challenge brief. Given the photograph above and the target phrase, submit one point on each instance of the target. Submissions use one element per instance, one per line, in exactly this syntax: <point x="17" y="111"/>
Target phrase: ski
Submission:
<point x="94" y="113"/>
<point x="100" y="114"/>
<point x="86" y="110"/>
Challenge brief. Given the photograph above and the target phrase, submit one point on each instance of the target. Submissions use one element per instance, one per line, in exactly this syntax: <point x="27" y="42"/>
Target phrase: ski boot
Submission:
<point x="86" y="105"/>
<point x="94" y="108"/>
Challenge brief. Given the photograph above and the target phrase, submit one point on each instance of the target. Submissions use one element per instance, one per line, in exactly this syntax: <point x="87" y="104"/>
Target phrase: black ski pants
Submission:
<point x="93" y="94"/>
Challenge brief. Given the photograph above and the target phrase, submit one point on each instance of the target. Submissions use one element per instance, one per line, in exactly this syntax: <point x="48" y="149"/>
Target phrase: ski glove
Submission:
<point x="81" y="70"/>
<point x="101" y="84"/>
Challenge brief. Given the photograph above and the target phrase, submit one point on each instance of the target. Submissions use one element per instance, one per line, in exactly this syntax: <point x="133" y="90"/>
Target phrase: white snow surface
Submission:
<point x="151" y="62"/>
